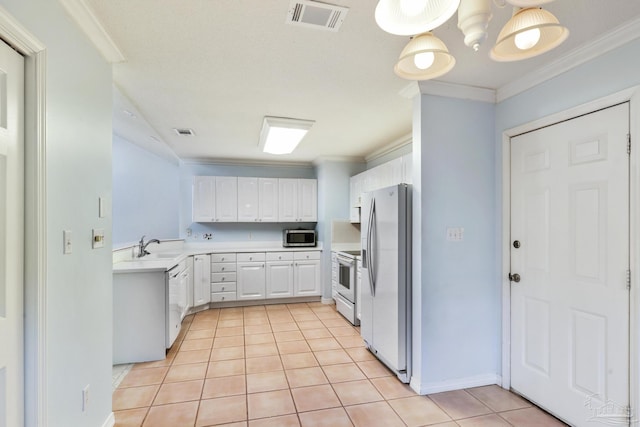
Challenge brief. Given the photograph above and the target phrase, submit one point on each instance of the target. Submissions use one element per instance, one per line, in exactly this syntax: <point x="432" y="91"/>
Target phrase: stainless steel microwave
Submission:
<point x="292" y="238"/>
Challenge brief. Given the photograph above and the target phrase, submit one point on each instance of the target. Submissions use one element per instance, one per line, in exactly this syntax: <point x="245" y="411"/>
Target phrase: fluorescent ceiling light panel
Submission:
<point x="281" y="135"/>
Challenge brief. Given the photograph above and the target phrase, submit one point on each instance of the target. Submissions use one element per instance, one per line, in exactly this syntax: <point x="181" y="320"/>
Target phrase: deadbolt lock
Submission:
<point x="514" y="277"/>
<point x="516" y="244"/>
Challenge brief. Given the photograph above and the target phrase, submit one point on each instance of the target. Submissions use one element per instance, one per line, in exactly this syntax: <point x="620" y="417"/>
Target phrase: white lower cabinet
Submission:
<point x="358" y="288"/>
<point x="334" y="275"/>
<point x="306" y="274"/>
<point x="201" y="280"/>
<point x="251" y="278"/>
<point x="223" y="277"/>
<point x="279" y="273"/>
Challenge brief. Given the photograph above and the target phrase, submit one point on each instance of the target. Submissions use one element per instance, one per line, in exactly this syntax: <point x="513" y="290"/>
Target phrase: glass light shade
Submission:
<point x="528" y="3"/>
<point x="527" y="39"/>
<point x="422" y="44"/>
<point x="404" y="18"/>
<point x="280" y="135"/>
<point x="552" y="34"/>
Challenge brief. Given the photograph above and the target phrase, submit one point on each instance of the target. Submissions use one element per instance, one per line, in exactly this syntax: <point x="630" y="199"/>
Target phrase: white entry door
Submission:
<point x="570" y="248"/>
<point x="11" y="237"/>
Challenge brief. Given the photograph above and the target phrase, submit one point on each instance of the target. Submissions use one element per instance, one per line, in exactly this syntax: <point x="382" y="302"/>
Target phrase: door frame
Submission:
<point x="35" y="225"/>
<point x="631" y="95"/>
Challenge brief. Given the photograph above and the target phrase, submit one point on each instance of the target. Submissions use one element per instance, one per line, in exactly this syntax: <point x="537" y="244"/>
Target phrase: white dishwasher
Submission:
<point x="177" y="279"/>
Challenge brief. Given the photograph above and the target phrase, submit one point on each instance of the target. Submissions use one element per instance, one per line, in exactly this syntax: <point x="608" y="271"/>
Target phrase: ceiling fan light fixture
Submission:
<point x="409" y="17"/>
<point x="529" y="32"/>
<point x="424" y="57"/>
<point x="281" y="135"/>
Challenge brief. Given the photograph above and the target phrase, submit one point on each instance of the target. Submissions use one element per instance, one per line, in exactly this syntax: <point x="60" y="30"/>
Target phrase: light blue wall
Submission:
<point x="333" y="204"/>
<point x="234" y="231"/>
<point x="146" y="196"/>
<point x="78" y="301"/>
<point x="457" y="304"/>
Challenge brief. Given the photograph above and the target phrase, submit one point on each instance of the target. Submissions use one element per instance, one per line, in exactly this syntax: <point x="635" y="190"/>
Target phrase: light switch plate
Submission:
<point x="97" y="238"/>
<point x="67" y="248"/>
<point x="455" y="234"/>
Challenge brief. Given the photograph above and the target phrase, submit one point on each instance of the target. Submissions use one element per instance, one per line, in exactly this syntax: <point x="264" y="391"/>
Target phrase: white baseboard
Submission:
<point x="327" y="300"/>
<point x="455" y="384"/>
<point x="110" y="421"/>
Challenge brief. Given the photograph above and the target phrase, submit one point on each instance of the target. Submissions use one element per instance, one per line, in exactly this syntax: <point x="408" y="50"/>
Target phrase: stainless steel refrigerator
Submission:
<point x="385" y="322"/>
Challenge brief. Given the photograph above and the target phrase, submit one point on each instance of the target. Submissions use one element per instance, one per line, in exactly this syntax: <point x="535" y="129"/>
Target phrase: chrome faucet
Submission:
<point x="142" y="246"/>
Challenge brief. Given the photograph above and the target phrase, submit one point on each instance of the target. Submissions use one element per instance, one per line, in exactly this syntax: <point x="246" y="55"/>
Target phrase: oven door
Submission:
<point x="347" y="278"/>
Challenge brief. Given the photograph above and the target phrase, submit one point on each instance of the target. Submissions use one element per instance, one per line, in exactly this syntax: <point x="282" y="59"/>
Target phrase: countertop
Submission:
<point x="125" y="263"/>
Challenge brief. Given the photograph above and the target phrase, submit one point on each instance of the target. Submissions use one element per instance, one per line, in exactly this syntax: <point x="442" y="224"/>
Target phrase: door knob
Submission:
<point x="514" y="277"/>
<point x="516" y="244"/>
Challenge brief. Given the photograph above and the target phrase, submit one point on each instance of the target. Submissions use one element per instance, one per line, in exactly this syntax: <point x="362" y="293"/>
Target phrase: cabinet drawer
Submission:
<point x="223" y="287"/>
<point x="223" y="267"/>
<point x="306" y="255"/>
<point x="223" y="257"/>
<point x="223" y="277"/>
<point x="251" y="257"/>
<point x="223" y="296"/>
<point x="279" y="256"/>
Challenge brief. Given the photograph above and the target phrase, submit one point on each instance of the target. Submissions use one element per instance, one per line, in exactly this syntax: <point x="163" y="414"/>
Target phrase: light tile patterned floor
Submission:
<point x="293" y="365"/>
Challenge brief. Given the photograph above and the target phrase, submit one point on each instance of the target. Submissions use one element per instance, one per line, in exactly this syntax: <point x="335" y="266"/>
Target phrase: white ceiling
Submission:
<point x="219" y="66"/>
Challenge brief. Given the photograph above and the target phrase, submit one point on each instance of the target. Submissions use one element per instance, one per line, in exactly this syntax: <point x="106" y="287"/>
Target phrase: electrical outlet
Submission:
<point x="207" y="236"/>
<point x="189" y="232"/>
<point x="85" y="398"/>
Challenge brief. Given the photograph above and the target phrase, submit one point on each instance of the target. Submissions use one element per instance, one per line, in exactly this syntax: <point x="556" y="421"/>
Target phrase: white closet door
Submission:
<point x="11" y="236"/>
<point x="570" y="309"/>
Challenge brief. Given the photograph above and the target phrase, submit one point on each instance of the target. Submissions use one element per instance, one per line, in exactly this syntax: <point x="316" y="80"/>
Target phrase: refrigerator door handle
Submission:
<point x="370" y="260"/>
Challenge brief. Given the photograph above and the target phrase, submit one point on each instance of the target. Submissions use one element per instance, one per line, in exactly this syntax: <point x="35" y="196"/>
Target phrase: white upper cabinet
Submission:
<point x="248" y="199"/>
<point x="204" y="199"/>
<point x="307" y="200"/>
<point x="393" y="172"/>
<point x="215" y="199"/>
<point x="288" y="200"/>
<point x="396" y="175"/>
<point x="298" y="200"/>
<point x="268" y="199"/>
<point x="407" y="168"/>
<point x="226" y="199"/>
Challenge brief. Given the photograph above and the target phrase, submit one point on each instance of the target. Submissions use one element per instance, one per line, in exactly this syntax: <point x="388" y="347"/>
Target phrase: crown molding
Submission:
<point x="455" y="90"/>
<point x="17" y="36"/>
<point x="245" y="162"/>
<point x="84" y="16"/>
<point x="393" y="146"/>
<point x="605" y="43"/>
<point x="338" y="159"/>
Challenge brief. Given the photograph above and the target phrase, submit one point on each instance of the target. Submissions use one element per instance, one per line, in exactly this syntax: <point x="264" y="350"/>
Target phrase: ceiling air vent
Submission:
<point x="184" y="131"/>
<point x="318" y="15"/>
